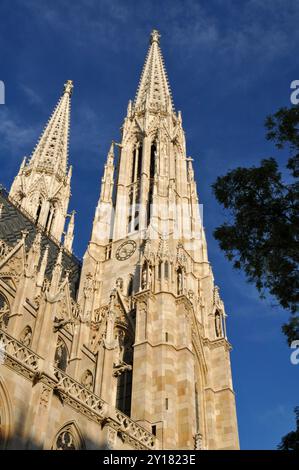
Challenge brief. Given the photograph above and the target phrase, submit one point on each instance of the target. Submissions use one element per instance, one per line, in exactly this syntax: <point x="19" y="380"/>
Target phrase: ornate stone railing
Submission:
<point x="135" y="431"/>
<point x="77" y="391"/>
<point x="11" y="347"/>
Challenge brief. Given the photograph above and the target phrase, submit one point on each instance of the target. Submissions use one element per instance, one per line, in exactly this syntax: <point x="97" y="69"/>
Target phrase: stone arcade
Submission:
<point x="129" y="350"/>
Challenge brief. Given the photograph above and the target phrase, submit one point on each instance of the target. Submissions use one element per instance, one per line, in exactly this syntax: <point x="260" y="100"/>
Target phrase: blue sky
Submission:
<point x="230" y="63"/>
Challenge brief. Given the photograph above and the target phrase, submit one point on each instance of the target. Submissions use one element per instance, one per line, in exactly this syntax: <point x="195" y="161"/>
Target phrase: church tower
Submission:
<point x="152" y="310"/>
<point x="42" y="186"/>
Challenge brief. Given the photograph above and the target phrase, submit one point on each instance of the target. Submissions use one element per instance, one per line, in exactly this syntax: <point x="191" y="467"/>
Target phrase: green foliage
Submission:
<point x="261" y="237"/>
<point x="291" y="440"/>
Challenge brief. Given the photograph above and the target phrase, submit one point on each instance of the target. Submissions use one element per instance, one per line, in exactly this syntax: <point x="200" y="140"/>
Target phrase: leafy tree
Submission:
<point x="261" y="235"/>
<point x="291" y="440"/>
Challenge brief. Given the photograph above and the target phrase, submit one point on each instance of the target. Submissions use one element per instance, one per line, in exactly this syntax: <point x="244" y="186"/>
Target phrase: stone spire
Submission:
<point x="102" y="220"/>
<point x="51" y="152"/>
<point x="154" y="89"/>
<point x="42" y="186"/>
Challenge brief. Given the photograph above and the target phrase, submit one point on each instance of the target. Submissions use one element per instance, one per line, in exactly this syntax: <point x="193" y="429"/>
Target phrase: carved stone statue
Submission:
<point x="87" y="379"/>
<point x="26" y="336"/>
<point x="119" y="283"/>
<point x="150" y="277"/>
<point x="218" y="326"/>
<point x="180" y="283"/>
<point x="144" y="278"/>
<point x="121" y="346"/>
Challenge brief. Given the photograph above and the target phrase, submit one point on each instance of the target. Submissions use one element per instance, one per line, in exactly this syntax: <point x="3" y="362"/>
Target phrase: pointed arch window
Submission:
<point x="51" y="216"/>
<point x="130" y="285"/>
<point x="166" y="270"/>
<point x="160" y="269"/>
<point x="153" y="159"/>
<point x="39" y="208"/>
<point x="151" y="181"/>
<point x="68" y="438"/>
<point x="123" y="372"/>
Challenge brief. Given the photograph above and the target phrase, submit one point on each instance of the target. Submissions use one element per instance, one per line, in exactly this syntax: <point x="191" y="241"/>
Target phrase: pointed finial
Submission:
<point x="68" y="87"/>
<point x="111" y="150"/>
<point x="155" y="36"/>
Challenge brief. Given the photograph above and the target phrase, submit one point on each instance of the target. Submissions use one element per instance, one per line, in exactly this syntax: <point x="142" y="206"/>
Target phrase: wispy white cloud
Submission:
<point x="15" y="135"/>
<point x="32" y="96"/>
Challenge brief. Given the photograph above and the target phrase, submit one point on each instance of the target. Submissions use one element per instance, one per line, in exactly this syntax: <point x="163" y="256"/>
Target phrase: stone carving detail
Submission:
<point x="198" y="441"/>
<point x="125" y="250"/>
<point x="44" y="397"/>
<point x="20" y="352"/>
<point x="119" y="283"/>
<point x="190" y="294"/>
<point x="61" y="355"/>
<point x="46" y="285"/>
<point x="26" y="336"/>
<point x="180" y="281"/>
<point x="4" y="249"/>
<point x="181" y="256"/>
<point x="87" y="380"/>
<point x="135" y="430"/>
<point x="124" y="352"/>
<point x="111" y="437"/>
<point x="65" y="441"/>
<point x="77" y="391"/>
<point x="89" y="285"/>
<point x="4" y="312"/>
<point x="218" y="325"/>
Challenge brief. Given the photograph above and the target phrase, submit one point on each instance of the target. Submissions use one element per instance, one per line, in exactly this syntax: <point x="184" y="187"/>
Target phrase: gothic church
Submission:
<point x="128" y="349"/>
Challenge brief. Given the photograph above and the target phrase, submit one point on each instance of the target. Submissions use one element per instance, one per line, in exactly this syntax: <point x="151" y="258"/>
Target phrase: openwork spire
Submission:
<point x="51" y="152"/>
<point x="154" y="89"/>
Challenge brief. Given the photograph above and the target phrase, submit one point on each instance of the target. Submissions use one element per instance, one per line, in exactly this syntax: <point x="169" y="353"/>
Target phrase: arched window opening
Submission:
<point x="149" y="204"/>
<point x="123" y="372"/>
<point x="160" y="270"/>
<point x="151" y="182"/>
<point x="51" y="216"/>
<point x="134" y="191"/>
<point x="166" y="270"/>
<point x="68" y="438"/>
<point x="130" y="285"/>
<point x="153" y="160"/>
<point x="61" y="355"/>
<point x="4" y="312"/>
<point x="139" y="161"/>
<point x="136" y="162"/>
<point x="133" y="167"/>
<point x="39" y="208"/>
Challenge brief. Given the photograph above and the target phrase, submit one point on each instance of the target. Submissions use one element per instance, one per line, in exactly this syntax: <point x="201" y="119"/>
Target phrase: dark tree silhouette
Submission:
<point x="291" y="440"/>
<point x="261" y="236"/>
